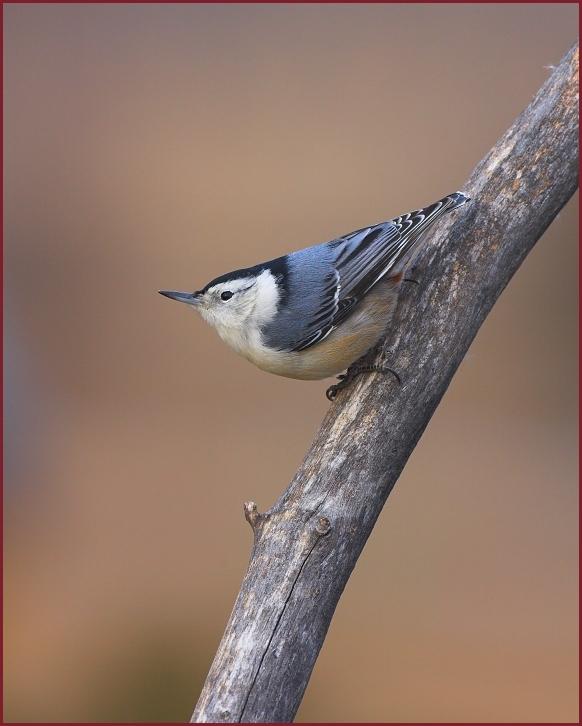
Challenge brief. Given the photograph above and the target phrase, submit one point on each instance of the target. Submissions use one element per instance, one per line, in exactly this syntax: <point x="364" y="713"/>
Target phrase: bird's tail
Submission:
<point x="413" y="224"/>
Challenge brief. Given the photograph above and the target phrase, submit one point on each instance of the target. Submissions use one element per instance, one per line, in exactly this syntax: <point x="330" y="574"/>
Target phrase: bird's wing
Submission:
<point x="361" y="259"/>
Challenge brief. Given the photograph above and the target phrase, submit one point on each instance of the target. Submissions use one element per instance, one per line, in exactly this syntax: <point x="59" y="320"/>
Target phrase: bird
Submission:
<point x="315" y="312"/>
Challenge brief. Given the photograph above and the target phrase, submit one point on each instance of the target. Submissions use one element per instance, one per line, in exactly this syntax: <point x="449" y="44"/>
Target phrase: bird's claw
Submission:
<point x="345" y="379"/>
<point x="332" y="391"/>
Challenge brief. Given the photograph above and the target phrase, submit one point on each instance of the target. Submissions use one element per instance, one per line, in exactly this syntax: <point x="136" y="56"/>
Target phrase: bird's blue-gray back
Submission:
<point x="309" y="273"/>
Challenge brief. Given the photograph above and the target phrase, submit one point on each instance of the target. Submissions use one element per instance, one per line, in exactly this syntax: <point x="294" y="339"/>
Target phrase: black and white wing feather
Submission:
<point x="362" y="258"/>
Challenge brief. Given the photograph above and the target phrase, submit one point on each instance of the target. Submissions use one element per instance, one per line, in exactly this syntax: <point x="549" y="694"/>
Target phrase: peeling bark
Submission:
<point x="307" y="544"/>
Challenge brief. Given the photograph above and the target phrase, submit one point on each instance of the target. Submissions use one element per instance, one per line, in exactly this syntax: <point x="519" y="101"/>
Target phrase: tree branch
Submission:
<point x="306" y="546"/>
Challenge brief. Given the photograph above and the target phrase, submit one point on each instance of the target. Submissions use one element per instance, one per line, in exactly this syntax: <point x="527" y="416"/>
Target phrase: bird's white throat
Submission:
<point x="240" y="320"/>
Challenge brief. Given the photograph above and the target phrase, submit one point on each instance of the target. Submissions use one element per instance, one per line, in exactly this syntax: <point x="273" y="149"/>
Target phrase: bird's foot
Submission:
<point x="345" y="379"/>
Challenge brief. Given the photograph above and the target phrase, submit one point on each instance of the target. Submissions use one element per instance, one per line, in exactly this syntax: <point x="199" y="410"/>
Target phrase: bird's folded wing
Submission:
<point x="364" y="257"/>
<point x="361" y="258"/>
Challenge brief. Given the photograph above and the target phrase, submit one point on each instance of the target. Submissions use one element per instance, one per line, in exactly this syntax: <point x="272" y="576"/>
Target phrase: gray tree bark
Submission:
<point x="306" y="546"/>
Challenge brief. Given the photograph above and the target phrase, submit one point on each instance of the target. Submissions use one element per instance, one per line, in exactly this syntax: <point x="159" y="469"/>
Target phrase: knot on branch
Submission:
<point x="323" y="526"/>
<point x="252" y="515"/>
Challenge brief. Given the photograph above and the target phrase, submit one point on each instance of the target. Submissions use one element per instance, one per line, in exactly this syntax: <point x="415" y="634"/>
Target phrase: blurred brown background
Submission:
<point x="153" y="146"/>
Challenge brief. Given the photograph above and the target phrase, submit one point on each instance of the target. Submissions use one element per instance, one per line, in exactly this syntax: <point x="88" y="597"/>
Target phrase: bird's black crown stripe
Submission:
<point x="278" y="268"/>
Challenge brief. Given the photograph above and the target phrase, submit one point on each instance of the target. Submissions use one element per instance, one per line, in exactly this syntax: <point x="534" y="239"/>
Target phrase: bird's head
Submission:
<point x="239" y="300"/>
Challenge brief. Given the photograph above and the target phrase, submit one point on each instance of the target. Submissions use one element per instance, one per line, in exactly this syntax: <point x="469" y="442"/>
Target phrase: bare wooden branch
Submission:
<point x="307" y="545"/>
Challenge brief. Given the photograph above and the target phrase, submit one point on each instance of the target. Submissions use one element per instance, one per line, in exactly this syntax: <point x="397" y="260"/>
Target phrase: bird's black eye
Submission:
<point x="226" y="295"/>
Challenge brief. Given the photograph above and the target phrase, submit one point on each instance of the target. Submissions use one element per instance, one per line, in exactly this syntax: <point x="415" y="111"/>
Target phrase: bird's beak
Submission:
<point x="190" y="298"/>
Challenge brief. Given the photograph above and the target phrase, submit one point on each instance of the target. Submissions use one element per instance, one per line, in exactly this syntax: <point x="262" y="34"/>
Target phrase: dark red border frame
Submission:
<point x="245" y="2"/>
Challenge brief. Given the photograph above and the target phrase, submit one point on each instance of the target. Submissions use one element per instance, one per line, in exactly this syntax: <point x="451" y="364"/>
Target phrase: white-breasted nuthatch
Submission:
<point x="313" y="313"/>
